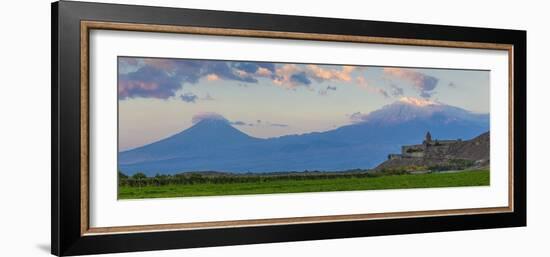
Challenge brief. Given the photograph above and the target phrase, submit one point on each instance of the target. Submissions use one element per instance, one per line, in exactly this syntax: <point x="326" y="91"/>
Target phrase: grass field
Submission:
<point x="465" y="178"/>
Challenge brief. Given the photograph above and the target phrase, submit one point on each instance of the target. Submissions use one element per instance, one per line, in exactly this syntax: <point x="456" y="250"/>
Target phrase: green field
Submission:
<point x="453" y="179"/>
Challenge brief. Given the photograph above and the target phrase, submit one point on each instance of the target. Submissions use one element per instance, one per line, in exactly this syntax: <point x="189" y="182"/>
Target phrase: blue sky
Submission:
<point x="160" y="97"/>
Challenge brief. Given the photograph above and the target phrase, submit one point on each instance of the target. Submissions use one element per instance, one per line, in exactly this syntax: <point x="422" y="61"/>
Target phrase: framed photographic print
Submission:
<point x="178" y="128"/>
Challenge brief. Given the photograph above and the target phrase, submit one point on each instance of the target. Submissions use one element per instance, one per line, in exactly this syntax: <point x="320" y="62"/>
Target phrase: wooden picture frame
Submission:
<point x="71" y="26"/>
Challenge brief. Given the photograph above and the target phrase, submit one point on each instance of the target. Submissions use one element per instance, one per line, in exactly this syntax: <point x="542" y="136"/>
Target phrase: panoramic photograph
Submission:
<point x="194" y="127"/>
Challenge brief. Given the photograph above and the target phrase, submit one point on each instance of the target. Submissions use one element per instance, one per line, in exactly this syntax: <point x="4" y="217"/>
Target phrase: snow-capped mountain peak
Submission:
<point x="410" y="108"/>
<point x="417" y="101"/>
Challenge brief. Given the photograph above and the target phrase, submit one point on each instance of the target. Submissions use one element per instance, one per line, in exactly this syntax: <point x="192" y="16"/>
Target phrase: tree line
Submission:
<point x="140" y="179"/>
<point x="452" y="164"/>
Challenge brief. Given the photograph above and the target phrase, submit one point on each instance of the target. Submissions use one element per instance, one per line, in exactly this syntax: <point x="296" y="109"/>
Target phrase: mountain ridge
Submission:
<point x="213" y="144"/>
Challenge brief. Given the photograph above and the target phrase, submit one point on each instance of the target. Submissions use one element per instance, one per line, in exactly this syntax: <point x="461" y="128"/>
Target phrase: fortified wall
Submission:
<point x="437" y="149"/>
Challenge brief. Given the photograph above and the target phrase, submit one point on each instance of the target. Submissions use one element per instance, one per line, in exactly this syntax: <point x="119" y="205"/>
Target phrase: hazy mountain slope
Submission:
<point x="202" y="138"/>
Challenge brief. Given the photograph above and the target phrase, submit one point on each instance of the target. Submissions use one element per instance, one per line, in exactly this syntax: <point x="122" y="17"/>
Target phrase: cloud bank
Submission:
<point x="425" y="84"/>
<point x="162" y="78"/>
<point x="216" y="116"/>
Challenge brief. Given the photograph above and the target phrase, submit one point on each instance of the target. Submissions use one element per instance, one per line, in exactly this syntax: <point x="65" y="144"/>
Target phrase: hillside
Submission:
<point x="475" y="152"/>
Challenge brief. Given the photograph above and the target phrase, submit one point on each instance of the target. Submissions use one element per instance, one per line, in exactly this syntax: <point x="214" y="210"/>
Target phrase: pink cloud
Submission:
<point x="263" y="72"/>
<point x="321" y="74"/>
<point x="283" y="75"/>
<point x="212" y="77"/>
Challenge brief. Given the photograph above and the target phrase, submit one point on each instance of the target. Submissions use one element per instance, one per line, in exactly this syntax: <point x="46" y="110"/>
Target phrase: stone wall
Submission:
<point x="394" y="156"/>
<point x="413" y="151"/>
<point x="438" y="150"/>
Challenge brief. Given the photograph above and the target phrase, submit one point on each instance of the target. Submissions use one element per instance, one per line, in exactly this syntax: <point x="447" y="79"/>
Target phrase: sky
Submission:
<point x="159" y="97"/>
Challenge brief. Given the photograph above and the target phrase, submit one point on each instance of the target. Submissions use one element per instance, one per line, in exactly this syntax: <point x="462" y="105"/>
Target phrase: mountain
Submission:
<point x="204" y="136"/>
<point x="410" y="109"/>
<point x="215" y="145"/>
<point x="408" y="119"/>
